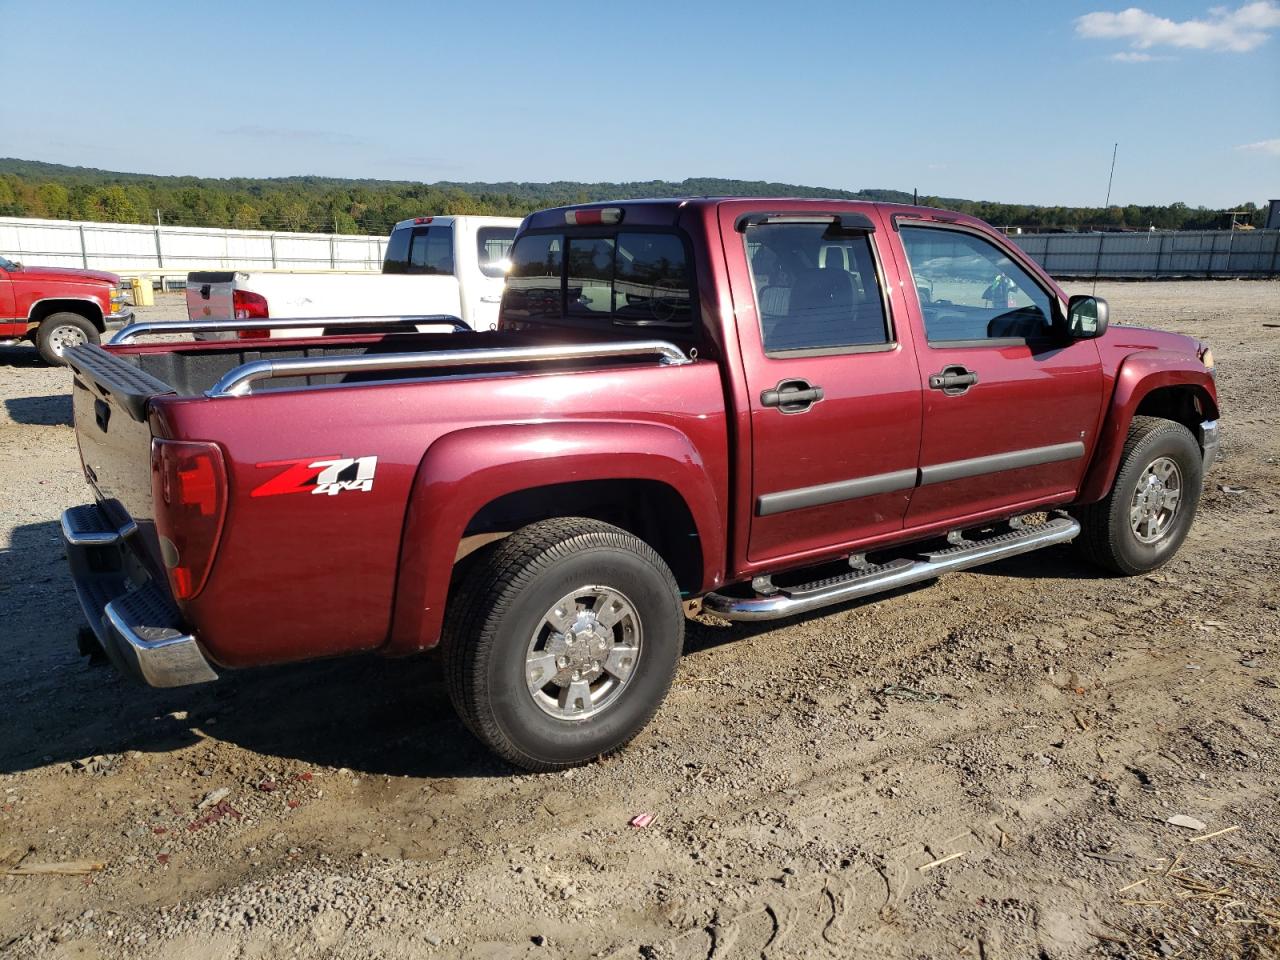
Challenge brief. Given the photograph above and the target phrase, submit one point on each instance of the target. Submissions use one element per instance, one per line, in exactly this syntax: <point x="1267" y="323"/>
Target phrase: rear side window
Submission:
<point x="816" y="287"/>
<point x="624" y="279"/>
<point x="494" y="246"/>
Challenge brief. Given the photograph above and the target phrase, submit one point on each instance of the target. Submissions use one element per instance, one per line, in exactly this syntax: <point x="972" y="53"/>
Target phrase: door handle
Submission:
<point x="953" y="380"/>
<point x="791" y="396"/>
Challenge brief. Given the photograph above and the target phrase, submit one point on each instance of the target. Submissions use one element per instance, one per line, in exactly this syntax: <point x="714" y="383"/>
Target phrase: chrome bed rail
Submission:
<point x="156" y="327"/>
<point x="239" y="382"/>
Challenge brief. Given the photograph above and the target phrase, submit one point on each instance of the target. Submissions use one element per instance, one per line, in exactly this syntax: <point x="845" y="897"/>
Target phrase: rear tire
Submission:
<point x="1142" y="522"/>
<point x="562" y="642"/>
<point x="58" y="331"/>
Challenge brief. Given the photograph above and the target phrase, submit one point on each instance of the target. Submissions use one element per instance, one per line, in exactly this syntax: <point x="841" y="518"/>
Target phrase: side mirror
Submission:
<point x="1086" y="317"/>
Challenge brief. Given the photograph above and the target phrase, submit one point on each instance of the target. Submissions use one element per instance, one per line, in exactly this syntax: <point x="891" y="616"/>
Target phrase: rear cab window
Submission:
<point x="425" y="249"/>
<point x="600" y="278"/>
<point x="817" y="287"/>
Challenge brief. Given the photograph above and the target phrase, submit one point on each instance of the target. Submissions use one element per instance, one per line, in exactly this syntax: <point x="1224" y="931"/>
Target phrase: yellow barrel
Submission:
<point x="143" y="293"/>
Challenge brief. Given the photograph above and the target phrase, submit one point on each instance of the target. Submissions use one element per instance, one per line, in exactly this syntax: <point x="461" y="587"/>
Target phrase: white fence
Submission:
<point x="133" y="250"/>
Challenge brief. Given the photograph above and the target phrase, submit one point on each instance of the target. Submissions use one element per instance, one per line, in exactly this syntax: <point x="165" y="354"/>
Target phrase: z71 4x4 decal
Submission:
<point x="328" y="475"/>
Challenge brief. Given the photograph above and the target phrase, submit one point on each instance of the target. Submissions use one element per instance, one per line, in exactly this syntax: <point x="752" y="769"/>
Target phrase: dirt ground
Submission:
<point x="983" y="767"/>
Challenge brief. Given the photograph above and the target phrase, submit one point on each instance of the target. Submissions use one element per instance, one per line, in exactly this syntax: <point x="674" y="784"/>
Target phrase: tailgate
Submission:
<point x="109" y="405"/>
<point x="211" y="296"/>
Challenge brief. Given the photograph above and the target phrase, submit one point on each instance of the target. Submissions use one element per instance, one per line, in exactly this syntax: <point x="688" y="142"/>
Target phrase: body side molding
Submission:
<point x="997" y="462"/>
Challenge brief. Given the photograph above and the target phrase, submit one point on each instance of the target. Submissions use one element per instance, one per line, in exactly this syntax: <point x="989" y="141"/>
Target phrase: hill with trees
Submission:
<point x="30" y="188"/>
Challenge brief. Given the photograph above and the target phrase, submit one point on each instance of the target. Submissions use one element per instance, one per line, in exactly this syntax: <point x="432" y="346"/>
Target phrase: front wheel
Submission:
<point x="563" y="642"/>
<point x="1141" y="523"/>
<point x="60" y="331"/>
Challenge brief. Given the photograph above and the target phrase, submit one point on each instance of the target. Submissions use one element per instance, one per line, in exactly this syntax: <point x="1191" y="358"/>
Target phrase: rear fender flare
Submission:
<point x="465" y="470"/>
<point x="1138" y="376"/>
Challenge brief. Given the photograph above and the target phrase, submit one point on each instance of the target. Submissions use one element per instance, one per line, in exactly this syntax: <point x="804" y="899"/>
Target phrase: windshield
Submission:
<point x="7" y="264"/>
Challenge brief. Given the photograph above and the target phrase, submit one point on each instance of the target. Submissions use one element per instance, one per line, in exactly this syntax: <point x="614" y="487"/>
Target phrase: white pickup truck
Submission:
<point x="433" y="265"/>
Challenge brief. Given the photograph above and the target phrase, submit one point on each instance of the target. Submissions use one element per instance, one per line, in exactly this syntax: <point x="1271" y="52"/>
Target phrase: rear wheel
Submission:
<point x="60" y="331"/>
<point x="563" y="642"/>
<point x="1141" y="523"/>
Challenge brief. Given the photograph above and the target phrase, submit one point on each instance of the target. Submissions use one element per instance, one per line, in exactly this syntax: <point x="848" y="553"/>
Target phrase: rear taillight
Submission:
<point x="189" y="491"/>
<point x="250" y="306"/>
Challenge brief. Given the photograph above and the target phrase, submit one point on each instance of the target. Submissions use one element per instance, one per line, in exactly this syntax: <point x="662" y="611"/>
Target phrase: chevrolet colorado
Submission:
<point x="756" y="407"/>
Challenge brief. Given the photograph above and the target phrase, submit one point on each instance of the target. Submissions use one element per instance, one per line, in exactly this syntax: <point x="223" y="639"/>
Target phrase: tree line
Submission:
<point x="332" y="205"/>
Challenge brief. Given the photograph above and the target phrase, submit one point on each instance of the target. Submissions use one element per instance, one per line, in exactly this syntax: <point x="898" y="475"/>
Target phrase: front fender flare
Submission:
<point x="1138" y="376"/>
<point x="463" y="471"/>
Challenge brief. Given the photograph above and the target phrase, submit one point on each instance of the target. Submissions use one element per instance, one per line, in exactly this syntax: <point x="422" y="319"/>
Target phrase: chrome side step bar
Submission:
<point x="789" y="602"/>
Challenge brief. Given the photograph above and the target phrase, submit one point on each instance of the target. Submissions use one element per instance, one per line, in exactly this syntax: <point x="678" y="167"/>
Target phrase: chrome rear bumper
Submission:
<point x="131" y="614"/>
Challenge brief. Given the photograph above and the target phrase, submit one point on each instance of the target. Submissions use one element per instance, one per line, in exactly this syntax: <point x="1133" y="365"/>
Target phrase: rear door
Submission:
<point x="1010" y="402"/>
<point x="833" y="386"/>
<point x="482" y="288"/>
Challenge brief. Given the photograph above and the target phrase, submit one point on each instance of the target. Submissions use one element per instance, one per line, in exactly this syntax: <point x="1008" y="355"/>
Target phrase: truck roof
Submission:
<point x="450" y="218"/>
<point x="662" y="211"/>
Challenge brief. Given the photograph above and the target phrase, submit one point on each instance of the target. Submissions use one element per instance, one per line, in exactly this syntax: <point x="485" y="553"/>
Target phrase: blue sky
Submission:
<point x="1010" y="101"/>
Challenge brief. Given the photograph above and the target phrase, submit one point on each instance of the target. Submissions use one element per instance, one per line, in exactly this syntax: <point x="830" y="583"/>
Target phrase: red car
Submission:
<point x="757" y="407"/>
<point x="56" y="308"/>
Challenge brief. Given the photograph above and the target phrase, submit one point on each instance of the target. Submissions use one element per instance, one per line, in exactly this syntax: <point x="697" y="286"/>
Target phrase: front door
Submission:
<point x="834" y="390"/>
<point x="1010" y="402"/>
<point x="7" y="307"/>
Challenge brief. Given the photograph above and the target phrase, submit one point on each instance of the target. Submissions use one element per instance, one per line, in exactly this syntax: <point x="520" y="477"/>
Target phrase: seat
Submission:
<point x="819" y="311"/>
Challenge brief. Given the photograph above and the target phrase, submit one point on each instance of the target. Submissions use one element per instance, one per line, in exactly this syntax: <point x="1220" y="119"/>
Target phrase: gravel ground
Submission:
<point x="983" y="767"/>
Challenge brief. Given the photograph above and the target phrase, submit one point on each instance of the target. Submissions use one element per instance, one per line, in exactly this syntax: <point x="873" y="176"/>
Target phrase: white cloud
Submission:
<point x="1133" y="56"/>
<point x="1269" y="147"/>
<point x="1237" y="31"/>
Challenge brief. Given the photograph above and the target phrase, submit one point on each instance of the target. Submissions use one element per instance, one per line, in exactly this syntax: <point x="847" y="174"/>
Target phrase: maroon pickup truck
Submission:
<point x="756" y="408"/>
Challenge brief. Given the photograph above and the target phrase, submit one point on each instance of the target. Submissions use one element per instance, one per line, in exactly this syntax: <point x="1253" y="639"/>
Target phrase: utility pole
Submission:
<point x="158" y="223"/>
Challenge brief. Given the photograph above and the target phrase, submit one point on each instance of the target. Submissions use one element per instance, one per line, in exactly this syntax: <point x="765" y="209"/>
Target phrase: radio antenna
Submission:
<point x="1105" y="206"/>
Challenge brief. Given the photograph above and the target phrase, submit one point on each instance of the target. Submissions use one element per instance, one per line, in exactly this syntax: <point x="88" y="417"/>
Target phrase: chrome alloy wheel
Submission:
<point x="1156" y="500"/>
<point x="583" y="653"/>
<point x="65" y="336"/>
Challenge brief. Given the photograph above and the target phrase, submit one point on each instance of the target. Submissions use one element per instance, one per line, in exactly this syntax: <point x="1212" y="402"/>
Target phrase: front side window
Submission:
<point x="493" y="246"/>
<point x="816" y="287"/>
<point x="623" y="279"/>
<point x="970" y="289"/>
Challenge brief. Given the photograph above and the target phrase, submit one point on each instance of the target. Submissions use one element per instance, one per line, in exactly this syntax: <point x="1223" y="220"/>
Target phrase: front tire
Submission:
<point x="1142" y="522"/>
<point x="60" y="331"/>
<point x="562" y="642"/>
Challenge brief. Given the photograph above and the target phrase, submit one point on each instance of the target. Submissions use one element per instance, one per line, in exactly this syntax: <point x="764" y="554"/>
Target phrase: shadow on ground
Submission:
<point x="20" y="356"/>
<point x="373" y="715"/>
<point x="389" y="717"/>
<point x="50" y="411"/>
